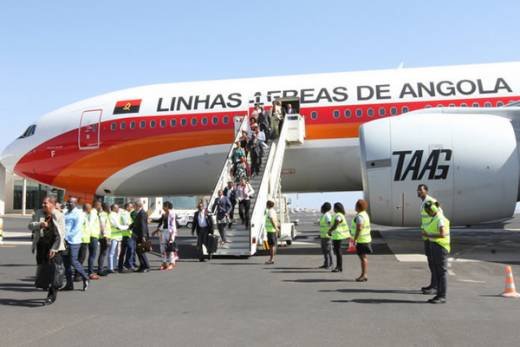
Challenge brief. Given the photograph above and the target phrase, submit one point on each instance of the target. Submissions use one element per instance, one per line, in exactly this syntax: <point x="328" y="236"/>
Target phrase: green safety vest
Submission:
<point x="342" y="231"/>
<point x="425" y="218"/>
<point x="115" y="233"/>
<point x="364" y="234"/>
<point x="85" y="230"/>
<point x="92" y="224"/>
<point x="269" y="226"/>
<point x="325" y="225"/>
<point x="433" y="229"/>
<point x="126" y="219"/>
<point x="103" y="218"/>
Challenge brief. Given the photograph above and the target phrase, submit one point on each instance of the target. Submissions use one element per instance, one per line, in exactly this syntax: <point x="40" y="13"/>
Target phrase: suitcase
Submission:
<point x="213" y="241"/>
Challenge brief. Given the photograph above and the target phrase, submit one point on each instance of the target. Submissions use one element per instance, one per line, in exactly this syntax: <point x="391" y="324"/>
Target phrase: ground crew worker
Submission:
<point x="361" y="233"/>
<point x="116" y="235"/>
<point x="339" y="232"/>
<point x="104" y="235"/>
<point x="326" y="242"/>
<point x="85" y="240"/>
<point x="438" y="233"/>
<point x="422" y="193"/>
<point x="93" y="229"/>
<point x="272" y="228"/>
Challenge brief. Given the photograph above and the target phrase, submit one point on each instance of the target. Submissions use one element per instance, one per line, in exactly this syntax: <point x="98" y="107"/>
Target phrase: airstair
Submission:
<point x="245" y="241"/>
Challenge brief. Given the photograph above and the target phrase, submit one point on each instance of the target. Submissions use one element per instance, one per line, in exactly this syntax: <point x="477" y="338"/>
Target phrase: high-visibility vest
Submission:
<point x="364" y="234"/>
<point x="269" y="226"/>
<point x="126" y="219"/>
<point x="92" y="223"/>
<point x="425" y="217"/>
<point x="115" y="233"/>
<point x="85" y="230"/>
<point x="433" y="229"/>
<point x="325" y="224"/>
<point x="103" y="218"/>
<point x="342" y="231"/>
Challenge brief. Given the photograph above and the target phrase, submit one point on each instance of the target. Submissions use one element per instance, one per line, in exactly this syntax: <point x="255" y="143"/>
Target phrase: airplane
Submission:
<point x="382" y="131"/>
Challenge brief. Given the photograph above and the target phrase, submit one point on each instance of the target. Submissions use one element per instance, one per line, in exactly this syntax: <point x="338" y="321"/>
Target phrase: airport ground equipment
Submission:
<point x="267" y="185"/>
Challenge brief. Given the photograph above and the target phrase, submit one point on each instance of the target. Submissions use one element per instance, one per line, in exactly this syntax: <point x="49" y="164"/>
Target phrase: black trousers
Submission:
<point x="82" y="255"/>
<point x="440" y="267"/>
<point x="336" y="244"/>
<point x="431" y="266"/>
<point x="103" y="250"/>
<point x="143" y="258"/>
<point x="42" y="257"/>
<point x="122" y="253"/>
<point x="202" y="239"/>
<point x="243" y="211"/>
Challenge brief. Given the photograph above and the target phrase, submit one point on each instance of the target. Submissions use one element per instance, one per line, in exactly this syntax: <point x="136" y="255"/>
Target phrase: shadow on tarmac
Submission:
<point x="23" y="303"/>
<point x="316" y="280"/>
<point x="377" y="291"/>
<point x="379" y="301"/>
<point x="18" y="287"/>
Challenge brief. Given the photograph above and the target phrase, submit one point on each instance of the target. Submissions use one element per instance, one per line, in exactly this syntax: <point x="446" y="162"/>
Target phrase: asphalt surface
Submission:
<point x="242" y="302"/>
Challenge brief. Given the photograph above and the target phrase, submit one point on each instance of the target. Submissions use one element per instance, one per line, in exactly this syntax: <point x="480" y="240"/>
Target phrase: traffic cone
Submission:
<point x="510" y="290"/>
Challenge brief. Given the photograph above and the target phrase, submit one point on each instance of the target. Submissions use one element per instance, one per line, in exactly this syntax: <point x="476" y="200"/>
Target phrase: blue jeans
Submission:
<point x="92" y="254"/>
<point x="112" y="255"/>
<point x="130" y="261"/>
<point x="71" y="260"/>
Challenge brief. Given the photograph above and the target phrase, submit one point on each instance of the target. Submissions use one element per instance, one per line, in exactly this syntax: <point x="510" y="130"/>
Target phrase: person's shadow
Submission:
<point x="23" y="302"/>
<point x="26" y="285"/>
<point x="380" y="301"/>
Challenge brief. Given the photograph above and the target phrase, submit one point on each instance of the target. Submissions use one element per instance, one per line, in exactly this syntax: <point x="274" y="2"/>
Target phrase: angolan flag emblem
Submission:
<point x="127" y="106"/>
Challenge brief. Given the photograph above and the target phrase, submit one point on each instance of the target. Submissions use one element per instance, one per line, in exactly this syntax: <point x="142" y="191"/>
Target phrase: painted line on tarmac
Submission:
<point x="470" y="281"/>
<point x="16" y="243"/>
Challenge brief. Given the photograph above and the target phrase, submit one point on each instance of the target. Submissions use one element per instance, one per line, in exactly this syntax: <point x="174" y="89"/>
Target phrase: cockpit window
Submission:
<point x="29" y="132"/>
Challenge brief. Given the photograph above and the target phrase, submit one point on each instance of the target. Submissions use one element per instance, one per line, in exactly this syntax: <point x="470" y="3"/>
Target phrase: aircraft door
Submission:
<point x="90" y="129"/>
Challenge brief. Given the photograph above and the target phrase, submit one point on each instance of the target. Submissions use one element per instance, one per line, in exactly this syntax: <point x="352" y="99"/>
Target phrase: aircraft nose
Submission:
<point x="10" y="156"/>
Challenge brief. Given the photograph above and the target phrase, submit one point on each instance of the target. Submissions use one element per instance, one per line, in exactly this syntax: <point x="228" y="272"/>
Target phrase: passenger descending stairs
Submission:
<point x="266" y="184"/>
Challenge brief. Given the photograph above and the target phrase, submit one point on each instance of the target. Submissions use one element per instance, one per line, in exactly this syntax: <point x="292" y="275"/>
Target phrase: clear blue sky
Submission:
<point x="55" y="52"/>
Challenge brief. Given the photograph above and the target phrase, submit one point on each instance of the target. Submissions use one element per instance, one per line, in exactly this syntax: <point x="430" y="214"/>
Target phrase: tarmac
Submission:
<point x="242" y="302"/>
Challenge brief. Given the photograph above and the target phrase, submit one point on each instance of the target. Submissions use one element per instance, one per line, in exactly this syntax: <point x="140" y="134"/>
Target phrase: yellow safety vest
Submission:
<point x="92" y="224"/>
<point x="85" y="230"/>
<point x="325" y="224"/>
<point x="115" y="234"/>
<point x="342" y="231"/>
<point x="269" y="226"/>
<point x="425" y="218"/>
<point x="103" y="218"/>
<point x="364" y="234"/>
<point x="433" y="229"/>
<point x="126" y="219"/>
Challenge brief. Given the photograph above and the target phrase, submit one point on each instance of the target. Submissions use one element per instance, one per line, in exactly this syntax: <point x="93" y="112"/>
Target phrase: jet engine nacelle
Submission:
<point x="469" y="161"/>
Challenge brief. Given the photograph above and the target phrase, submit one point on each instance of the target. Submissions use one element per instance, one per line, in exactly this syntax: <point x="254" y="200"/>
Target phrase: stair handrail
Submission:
<point x="262" y="195"/>
<point x="228" y="163"/>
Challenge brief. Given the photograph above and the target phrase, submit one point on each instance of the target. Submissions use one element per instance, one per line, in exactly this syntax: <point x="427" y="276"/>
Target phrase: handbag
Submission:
<point x="171" y="247"/>
<point x="58" y="272"/>
<point x="351" y="247"/>
<point x="43" y="276"/>
<point x="144" y="247"/>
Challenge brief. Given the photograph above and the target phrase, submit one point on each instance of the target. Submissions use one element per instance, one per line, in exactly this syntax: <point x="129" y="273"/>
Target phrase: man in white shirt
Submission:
<point x="244" y="194"/>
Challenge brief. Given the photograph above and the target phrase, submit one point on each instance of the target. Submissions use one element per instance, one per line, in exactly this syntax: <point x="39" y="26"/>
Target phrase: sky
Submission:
<point x="53" y="53"/>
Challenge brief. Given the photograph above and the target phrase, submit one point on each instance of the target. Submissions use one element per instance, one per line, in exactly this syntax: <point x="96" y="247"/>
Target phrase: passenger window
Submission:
<point x="153" y="124"/>
<point x="463" y="104"/>
<point x="359" y="113"/>
<point x="163" y="123"/>
<point x="404" y="109"/>
<point x="204" y="121"/>
<point x="214" y="120"/>
<point x="173" y="123"/>
<point x="113" y="126"/>
<point x="370" y="112"/>
<point x="451" y="105"/>
<point x="132" y="125"/>
<point x="314" y="115"/>
<point x="428" y="106"/>
<point x="142" y="124"/>
<point x="194" y="121"/>
<point x="225" y="120"/>
<point x="440" y="105"/>
<point x="500" y="104"/>
<point x="122" y="126"/>
<point x="348" y="114"/>
<point x="487" y="104"/>
<point x="335" y="114"/>
<point x="184" y="122"/>
<point x="393" y="110"/>
<point x="475" y="104"/>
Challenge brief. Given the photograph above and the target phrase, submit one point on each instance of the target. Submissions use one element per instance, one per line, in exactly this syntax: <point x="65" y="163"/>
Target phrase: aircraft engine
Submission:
<point x="470" y="162"/>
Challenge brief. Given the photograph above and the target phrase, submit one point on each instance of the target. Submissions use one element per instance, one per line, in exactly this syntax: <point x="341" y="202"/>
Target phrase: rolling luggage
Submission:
<point x="213" y="241"/>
